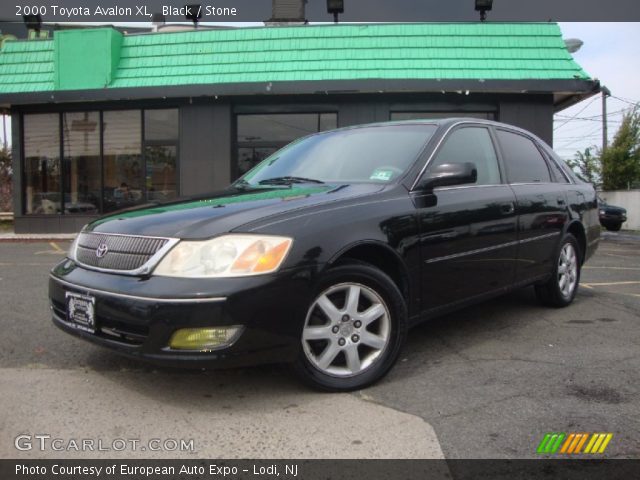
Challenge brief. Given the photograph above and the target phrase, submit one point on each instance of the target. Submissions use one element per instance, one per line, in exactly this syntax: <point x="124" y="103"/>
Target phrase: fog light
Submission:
<point x="203" y="339"/>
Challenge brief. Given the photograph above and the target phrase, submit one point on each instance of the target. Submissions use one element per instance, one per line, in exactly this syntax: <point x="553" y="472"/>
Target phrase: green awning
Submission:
<point x="105" y="59"/>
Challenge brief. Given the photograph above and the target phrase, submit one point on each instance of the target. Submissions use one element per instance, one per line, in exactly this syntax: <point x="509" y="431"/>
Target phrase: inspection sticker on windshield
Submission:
<point x="381" y="174"/>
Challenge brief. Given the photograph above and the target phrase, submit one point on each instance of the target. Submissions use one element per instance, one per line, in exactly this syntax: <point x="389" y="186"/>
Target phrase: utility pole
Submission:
<point x="4" y="131"/>
<point x="605" y="93"/>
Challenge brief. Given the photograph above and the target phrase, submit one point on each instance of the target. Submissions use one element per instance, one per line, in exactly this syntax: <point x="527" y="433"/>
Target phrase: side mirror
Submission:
<point x="449" y="174"/>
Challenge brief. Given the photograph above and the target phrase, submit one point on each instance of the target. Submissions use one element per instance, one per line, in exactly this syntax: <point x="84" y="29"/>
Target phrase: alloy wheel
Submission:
<point x="567" y="270"/>
<point x="347" y="329"/>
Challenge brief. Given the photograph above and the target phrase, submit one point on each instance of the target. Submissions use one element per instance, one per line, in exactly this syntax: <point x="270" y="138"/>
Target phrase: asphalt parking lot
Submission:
<point x="485" y="382"/>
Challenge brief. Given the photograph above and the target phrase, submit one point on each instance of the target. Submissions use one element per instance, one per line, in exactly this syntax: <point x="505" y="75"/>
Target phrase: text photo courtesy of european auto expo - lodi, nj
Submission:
<point x="319" y="239"/>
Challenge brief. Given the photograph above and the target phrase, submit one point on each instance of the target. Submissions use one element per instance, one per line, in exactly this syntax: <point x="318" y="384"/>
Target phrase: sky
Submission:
<point x="611" y="53"/>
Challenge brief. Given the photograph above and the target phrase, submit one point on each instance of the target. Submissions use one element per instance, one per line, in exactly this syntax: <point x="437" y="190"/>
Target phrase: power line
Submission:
<point x="577" y="139"/>
<point x="577" y="136"/>
<point x="595" y="120"/>
<point x="625" y="100"/>
<point x="592" y="117"/>
<point x="583" y="109"/>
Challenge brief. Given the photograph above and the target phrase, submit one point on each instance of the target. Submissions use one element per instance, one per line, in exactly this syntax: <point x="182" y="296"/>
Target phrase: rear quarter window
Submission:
<point x="523" y="161"/>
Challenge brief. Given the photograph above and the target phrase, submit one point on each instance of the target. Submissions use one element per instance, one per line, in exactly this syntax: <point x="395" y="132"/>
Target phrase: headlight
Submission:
<point x="226" y="256"/>
<point x="71" y="254"/>
<point x="602" y="212"/>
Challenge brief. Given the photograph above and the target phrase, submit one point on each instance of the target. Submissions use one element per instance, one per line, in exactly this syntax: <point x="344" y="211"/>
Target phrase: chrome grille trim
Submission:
<point x="126" y="254"/>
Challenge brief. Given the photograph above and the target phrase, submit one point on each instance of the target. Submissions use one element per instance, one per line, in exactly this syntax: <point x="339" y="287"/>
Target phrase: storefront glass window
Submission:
<point x="161" y="124"/>
<point x="123" y="165"/>
<point x="82" y="168"/>
<point x="161" y="134"/>
<point x="96" y="181"/>
<point x="261" y="135"/>
<point x="161" y="172"/>
<point x="42" y="163"/>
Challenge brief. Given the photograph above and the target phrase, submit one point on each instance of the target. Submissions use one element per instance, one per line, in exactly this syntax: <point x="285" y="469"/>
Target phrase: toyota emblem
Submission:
<point x="102" y="250"/>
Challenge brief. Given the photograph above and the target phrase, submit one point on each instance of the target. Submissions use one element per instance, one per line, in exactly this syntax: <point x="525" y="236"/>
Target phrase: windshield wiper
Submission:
<point x="288" y="180"/>
<point x="241" y="184"/>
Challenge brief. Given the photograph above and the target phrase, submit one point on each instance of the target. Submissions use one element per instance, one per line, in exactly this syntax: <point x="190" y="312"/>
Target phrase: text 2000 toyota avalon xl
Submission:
<point x="326" y="252"/>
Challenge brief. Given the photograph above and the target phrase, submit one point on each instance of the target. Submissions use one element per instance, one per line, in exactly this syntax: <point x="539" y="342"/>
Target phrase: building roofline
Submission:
<point x="566" y="92"/>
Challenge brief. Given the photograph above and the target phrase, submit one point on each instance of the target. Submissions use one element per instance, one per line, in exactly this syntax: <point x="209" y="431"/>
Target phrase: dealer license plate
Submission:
<point x="81" y="311"/>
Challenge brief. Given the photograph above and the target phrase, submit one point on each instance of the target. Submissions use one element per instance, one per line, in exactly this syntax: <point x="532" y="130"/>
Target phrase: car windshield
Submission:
<point x="378" y="154"/>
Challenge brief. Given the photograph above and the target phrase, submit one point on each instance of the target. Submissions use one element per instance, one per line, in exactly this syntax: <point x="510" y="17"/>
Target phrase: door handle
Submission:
<point x="507" y="208"/>
<point x="560" y="201"/>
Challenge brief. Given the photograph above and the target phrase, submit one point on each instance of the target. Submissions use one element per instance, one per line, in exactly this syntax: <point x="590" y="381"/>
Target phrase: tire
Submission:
<point x="355" y="327"/>
<point x="613" y="227"/>
<point x="561" y="288"/>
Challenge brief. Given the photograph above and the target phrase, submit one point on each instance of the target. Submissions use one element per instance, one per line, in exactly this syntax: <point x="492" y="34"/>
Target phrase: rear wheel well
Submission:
<point x="380" y="258"/>
<point x="577" y="230"/>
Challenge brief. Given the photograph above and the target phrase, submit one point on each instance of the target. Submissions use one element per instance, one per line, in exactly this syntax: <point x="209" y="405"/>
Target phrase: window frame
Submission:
<point x="443" y="114"/>
<point x="505" y="161"/>
<point x="552" y="161"/>
<point x="23" y="164"/>
<point x="443" y="140"/>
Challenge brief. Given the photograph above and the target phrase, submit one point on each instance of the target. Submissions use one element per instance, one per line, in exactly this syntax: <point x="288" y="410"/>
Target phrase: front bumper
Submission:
<point x="613" y="217"/>
<point x="137" y="316"/>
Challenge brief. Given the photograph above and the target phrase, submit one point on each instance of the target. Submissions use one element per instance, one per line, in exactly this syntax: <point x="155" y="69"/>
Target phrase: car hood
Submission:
<point x="612" y="209"/>
<point x="207" y="216"/>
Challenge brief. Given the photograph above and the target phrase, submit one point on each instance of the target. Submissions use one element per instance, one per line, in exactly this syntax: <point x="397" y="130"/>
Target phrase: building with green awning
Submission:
<point x="103" y="120"/>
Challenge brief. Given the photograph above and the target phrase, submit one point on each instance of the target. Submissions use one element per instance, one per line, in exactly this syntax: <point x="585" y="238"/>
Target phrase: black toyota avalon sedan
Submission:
<point x="327" y="252"/>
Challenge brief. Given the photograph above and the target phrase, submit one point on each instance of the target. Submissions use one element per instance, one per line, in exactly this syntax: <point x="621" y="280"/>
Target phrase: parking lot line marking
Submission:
<point x="617" y="256"/>
<point x="23" y="264"/>
<point x="612" y="268"/>
<point x="56" y="250"/>
<point x="607" y="284"/>
<point x="56" y="247"/>
<point x="618" y="250"/>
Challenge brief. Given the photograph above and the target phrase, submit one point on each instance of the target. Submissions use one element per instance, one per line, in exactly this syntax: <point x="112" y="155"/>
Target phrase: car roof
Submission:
<point x="440" y="122"/>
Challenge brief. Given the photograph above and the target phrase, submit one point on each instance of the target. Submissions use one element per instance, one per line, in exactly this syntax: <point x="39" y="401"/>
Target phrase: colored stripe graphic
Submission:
<point x="551" y="442"/>
<point x="598" y="443"/>
<point x="572" y="443"/>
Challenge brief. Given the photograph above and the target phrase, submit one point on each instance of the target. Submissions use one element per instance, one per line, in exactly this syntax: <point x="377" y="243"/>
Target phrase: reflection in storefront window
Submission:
<point x="42" y="163"/>
<point x="82" y="168"/>
<point x="260" y="135"/>
<point x="161" y="124"/>
<point x="90" y="180"/>
<point x="161" y="172"/>
<point x="123" y="167"/>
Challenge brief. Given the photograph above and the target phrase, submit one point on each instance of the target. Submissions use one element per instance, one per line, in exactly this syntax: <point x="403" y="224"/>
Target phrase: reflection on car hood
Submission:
<point x="221" y="212"/>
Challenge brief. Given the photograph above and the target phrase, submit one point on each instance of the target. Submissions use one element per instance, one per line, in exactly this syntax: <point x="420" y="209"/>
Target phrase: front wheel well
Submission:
<point x="381" y="258"/>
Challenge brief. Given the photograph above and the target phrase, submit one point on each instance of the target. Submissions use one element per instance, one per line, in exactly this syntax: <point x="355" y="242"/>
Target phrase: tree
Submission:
<point x="587" y="165"/>
<point x="6" y="183"/>
<point x="621" y="160"/>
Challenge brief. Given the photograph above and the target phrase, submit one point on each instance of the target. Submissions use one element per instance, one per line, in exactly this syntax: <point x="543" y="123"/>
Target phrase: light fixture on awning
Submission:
<point x="483" y="6"/>
<point x="335" y="7"/>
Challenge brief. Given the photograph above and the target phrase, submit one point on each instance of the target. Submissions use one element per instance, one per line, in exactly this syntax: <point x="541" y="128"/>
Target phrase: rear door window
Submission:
<point x="523" y="160"/>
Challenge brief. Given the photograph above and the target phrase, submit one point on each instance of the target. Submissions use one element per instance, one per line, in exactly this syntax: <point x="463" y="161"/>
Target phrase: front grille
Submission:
<point x="120" y="252"/>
